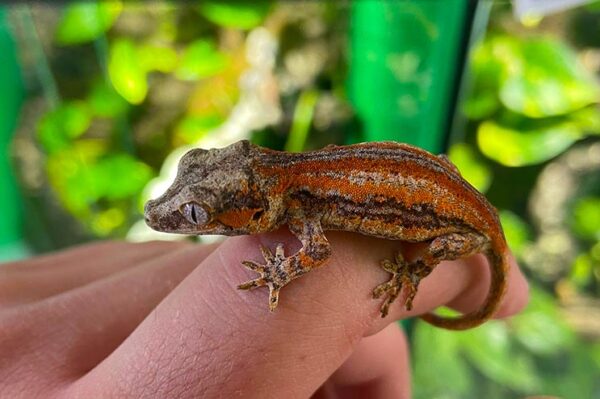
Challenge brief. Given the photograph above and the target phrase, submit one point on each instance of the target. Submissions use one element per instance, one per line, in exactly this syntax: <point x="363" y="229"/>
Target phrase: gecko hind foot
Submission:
<point x="274" y="274"/>
<point x="404" y="274"/>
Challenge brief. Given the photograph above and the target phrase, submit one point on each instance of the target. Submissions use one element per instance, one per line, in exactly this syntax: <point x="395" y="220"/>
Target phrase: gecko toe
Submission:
<point x="250" y="285"/>
<point x="403" y="276"/>
<point x="275" y="274"/>
<point x="385" y="307"/>
<point x="381" y="289"/>
<point x="390" y="290"/>
<point x="279" y="252"/>
<point x="273" y="297"/>
<point x="253" y="266"/>
<point x="266" y="253"/>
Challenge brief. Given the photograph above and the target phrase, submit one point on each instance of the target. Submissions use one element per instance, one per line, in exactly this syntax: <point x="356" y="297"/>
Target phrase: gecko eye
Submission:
<point x="194" y="213"/>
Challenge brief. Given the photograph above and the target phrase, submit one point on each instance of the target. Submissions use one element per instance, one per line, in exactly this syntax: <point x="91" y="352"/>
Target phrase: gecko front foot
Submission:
<point x="275" y="274"/>
<point x="404" y="274"/>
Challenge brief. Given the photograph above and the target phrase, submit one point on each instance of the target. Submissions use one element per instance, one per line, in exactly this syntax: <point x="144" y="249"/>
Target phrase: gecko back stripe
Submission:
<point x="420" y="215"/>
<point x="361" y="152"/>
<point x="306" y="174"/>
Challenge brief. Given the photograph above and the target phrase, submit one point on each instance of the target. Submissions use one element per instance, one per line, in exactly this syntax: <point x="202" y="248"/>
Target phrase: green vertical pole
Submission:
<point x="10" y="102"/>
<point x="404" y="58"/>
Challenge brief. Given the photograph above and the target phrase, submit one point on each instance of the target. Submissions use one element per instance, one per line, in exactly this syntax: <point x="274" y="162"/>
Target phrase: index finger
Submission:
<point x="208" y="339"/>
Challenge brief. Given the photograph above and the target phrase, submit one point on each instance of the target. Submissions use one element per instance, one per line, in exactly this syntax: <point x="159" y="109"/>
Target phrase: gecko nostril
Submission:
<point x="147" y="208"/>
<point x="150" y="222"/>
<point x="150" y="215"/>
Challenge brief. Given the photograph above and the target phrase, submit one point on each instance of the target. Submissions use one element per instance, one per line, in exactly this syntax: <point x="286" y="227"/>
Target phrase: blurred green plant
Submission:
<point x="535" y="352"/>
<point x="530" y="100"/>
<point x="127" y="74"/>
<point x="105" y="102"/>
<point x="517" y="231"/>
<point x="58" y="128"/>
<point x="303" y="115"/>
<point x="235" y="13"/>
<point x="585" y="271"/>
<point x="100" y="151"/>
<point x="85" y="21"/>
<point x="586" y="220"/>
<point x="471" y="166"/>
<point x="201" y="59"/>
<point x="533" y="97"/>
<point x="90" y="180"/>
<point x="173" y="76"/>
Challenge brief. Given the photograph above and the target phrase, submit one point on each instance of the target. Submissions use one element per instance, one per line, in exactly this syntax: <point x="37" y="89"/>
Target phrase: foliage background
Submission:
<point x="117" y="91"/>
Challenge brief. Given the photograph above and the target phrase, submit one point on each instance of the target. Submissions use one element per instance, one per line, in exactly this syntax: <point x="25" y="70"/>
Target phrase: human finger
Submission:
<point x="40" y="277"/>
<point x="225" y="341"/>
<point x="474" y="294"/>
<point x="378" y="368"/>
<point x="467" y="282"/>
<point x="64" y="336"/>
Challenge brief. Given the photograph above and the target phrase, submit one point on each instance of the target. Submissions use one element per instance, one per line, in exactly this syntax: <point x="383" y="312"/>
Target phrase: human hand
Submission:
<point x="163" y="319"/>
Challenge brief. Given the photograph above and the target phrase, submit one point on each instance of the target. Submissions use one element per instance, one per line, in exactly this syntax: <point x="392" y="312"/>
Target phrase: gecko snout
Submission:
<point x="160" y="216"/>
<point x="150" y="214"/>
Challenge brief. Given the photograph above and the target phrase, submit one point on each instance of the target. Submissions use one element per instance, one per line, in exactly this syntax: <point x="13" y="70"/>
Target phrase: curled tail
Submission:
<point x="497" y="257"/>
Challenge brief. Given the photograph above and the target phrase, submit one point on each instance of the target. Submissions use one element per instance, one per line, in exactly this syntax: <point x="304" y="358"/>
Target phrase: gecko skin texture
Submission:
<point x="382" y="189"/>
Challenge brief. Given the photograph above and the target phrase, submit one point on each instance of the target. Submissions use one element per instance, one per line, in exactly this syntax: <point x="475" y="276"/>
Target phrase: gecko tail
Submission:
<point x="498" y="263"/>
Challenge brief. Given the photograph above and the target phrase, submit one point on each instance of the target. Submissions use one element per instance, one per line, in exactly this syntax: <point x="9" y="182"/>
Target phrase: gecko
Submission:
<point x="386" y="189"/>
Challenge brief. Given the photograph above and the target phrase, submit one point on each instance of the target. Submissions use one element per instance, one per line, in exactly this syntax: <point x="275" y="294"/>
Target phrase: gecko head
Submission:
<point x="214" y="192"/>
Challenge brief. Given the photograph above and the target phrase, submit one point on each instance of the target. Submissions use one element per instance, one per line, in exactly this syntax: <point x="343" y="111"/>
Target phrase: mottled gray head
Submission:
<point x="214" y="193"/>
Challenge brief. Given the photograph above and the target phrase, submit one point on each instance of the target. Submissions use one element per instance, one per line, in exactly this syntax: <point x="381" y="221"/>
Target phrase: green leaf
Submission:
<point x="516" y="231"/>
<point x="126" y="74"/>
<point x="540" y="327"/>
<point x="69" y="175"/>
<point x="96" y="187"/>
<point x="545" y="79"/>
<point x="481" y="105"/>
<point x="486" y="71"/>
<point x="595" y="251"/>
<point x="57" y="129"/>
<point x="200" y="60"/>
<point x="536" y="77"/>
<point x="595" y="349"/>
<point x="83" y="175"/>
<point x="120" y="176"/>
<point x="437" y="360"/>
<point x="302" y="120"/>
<point x="489" y="348"/>
<point x="582" y="270"/>
<point x="575" y="374"/>
<point x="587" y="119"/>
<point x="157" y="58"/>
<point x="105" y="222"/>
<point x="525" y="147"/>
<point x="586" y="218"/>
<point x="471" y="168"/>
<point x="239" y="14"/>
<point x="84" y="21"/>
<point x="193" y="128"/>
<point x="104" y="101"/>
<point x="539" y="98"/>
